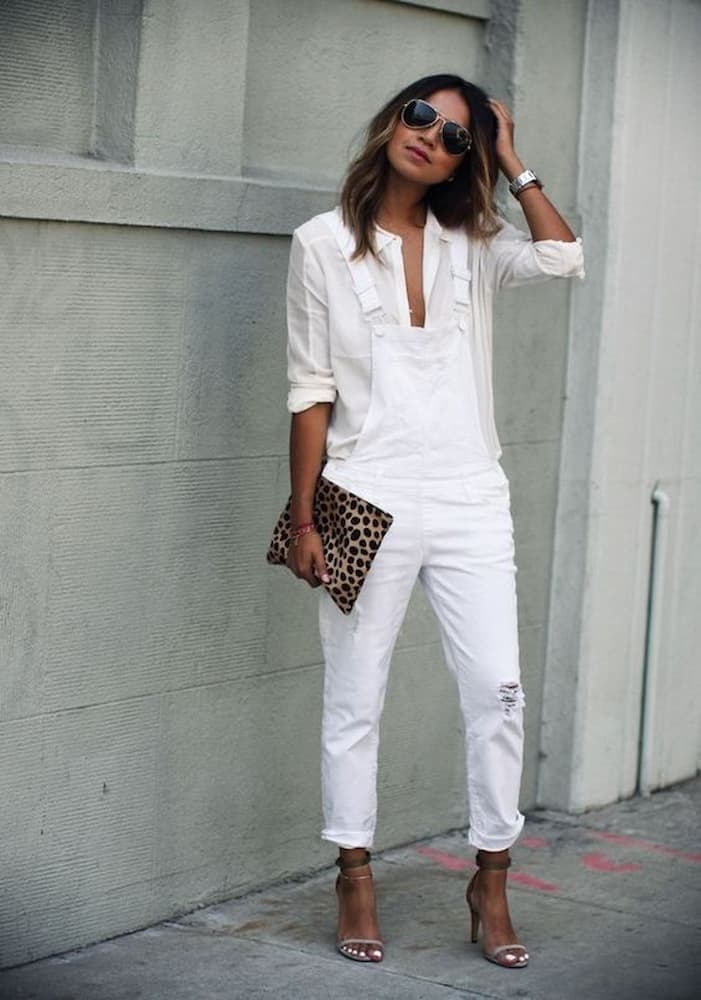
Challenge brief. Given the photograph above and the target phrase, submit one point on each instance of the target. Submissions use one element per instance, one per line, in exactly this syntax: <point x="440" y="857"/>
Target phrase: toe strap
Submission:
<point x="509" y="947"/>
<point x="349" y="941"/>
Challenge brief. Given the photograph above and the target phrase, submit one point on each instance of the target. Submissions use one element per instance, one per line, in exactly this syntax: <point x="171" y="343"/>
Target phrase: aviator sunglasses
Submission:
<point x="456" y="138"/>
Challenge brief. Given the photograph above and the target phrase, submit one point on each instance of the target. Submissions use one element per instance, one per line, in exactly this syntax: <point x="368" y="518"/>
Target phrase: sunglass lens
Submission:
<point x="456" y="138"/>
<point x="418" y="114"/>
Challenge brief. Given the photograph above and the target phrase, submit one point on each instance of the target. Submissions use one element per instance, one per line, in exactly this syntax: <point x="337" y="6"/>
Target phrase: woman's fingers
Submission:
<point x="499" y="108"/>
<point x="505" y="132"/>
<point x="503" y="116"/>
<point x="320" y="565"/>
<point x="306" y="560"/>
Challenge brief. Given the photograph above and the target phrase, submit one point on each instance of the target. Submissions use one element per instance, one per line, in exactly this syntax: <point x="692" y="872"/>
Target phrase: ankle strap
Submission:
<point x="498" y="866"/>
<point x="358" y="863"/>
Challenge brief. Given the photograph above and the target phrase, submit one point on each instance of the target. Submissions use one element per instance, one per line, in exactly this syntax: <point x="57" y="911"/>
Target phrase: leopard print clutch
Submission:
<point x="351" y="530"/>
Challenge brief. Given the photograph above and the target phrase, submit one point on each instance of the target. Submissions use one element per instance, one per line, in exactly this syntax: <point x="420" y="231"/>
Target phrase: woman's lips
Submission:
<point x="418" y="154"/>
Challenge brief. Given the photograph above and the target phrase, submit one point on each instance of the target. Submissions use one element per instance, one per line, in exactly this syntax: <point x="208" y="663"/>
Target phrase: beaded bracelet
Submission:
<point x="302" y="529"/>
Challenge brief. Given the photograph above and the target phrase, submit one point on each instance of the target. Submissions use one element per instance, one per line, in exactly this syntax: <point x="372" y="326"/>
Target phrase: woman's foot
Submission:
<point x="486" y="897"/>
<point x="358" y="930"/>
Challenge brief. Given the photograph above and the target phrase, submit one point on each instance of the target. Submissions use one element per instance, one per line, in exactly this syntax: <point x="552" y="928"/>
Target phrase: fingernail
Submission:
<point x="326" y="578"/>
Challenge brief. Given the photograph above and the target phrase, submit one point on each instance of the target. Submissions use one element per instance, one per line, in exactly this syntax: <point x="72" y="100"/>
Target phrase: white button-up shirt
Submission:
<point x="329" y="348"/>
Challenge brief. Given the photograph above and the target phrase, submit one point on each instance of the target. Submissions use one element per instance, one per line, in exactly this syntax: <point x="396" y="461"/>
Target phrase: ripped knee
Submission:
<point x="511" y="697"/>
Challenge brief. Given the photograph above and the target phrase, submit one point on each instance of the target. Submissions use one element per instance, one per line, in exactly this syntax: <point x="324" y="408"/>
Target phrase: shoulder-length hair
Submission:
<point x="467" y="201"/>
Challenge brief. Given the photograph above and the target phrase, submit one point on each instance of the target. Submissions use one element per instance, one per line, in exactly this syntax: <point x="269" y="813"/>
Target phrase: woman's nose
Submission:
<point x="431" y="133"/>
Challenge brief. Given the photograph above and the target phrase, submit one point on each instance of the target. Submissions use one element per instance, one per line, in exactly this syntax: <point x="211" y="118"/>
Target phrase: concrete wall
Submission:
<point x="632" y="421"/>
<point x="160" y="696"/>
<point x="531" y="324"/>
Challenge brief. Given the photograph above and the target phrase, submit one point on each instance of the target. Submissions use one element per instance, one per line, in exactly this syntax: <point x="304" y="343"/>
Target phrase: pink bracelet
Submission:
<point x="302" y="529"/>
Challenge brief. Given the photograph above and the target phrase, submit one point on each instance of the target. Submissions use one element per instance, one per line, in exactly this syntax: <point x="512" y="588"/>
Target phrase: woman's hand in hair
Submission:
<point x="507" y="159"/>
<point x="544" y="220"/>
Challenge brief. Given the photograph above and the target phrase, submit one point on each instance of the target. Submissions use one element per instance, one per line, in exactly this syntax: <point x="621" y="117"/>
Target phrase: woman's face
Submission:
<point x="418" y="154"/>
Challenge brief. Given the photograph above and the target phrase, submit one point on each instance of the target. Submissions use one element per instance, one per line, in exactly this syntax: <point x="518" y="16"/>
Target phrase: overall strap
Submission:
<point x="462" y="277"/>
<point x="363" y="282"/>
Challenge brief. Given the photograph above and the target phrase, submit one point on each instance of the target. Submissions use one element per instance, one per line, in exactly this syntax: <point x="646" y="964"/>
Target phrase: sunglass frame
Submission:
<point x="442" y="119"/>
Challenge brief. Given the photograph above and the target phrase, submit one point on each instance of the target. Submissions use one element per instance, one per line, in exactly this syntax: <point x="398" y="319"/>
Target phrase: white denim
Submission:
<point x="422" y="456"/>
<point x="329" y="344"/>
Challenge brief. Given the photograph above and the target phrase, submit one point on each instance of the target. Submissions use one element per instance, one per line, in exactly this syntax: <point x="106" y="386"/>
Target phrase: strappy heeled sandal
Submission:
<point x="509" y="956"/>
<point x="357" y="949"/>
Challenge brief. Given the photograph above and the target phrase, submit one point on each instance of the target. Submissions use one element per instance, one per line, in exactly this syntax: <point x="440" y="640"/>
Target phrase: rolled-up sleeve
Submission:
<point x="309" y="370"/>
<point x="513" y="258"/>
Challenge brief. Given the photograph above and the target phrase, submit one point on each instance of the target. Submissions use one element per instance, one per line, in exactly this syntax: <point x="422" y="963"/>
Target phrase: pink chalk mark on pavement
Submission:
<point x="449" y="861"/>
<point x="645" y="845"/>
<point x="534" y="842"/>
<point x="600" y="863"/>
<point x="532" y="883"/>
<point x="456" y="864"/>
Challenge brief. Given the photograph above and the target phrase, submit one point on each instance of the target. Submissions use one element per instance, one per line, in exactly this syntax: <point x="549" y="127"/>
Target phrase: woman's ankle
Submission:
<point x="493" y="859"/>
<point x="353" y="856"/>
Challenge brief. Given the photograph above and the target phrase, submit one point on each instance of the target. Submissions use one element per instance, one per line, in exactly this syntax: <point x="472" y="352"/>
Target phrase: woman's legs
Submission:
<point x="486" y="897"/>
<point x="469" y="576"/>
<point x="465" y="540"/>
<point x="358" y="930"/>
<point x="357" y="654"/>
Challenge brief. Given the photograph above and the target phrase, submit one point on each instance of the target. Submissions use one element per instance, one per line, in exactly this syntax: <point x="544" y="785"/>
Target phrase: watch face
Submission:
<point x="527" y="177"/>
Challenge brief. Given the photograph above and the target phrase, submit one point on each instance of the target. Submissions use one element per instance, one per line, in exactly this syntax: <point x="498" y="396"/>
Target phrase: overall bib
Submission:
<point x="421" y="456"/>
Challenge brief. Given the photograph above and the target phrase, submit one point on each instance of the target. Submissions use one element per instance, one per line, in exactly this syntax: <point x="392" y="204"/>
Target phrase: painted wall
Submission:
<point x="632" y="420"/>
<point x="160" y="685"/>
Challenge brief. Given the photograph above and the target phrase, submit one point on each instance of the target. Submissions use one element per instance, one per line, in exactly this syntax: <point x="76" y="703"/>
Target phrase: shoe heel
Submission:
<point x="509" y="956"/>
<point x="474" y="914"/>
<point x="474" y="925"/>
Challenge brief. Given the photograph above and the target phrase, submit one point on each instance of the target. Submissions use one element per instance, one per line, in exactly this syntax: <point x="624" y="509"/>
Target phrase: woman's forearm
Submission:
<point x="544" y="220"/>
<point x="307" y="444"/>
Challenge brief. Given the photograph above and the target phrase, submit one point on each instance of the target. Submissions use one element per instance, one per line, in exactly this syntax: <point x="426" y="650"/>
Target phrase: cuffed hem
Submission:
<point x="348" y="839"/>
<point x="560" y="259"/>
<point x="299" y="399"/>
<point x="496" y="843"/>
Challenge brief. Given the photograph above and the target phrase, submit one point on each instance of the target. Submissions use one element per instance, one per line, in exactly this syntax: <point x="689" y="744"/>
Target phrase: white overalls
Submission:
<point x="421" y="456"/>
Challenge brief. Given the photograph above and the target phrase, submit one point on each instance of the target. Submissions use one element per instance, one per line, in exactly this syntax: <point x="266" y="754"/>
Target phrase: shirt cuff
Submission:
<point x="301" y="397"/>
<point x="559" y="259"/>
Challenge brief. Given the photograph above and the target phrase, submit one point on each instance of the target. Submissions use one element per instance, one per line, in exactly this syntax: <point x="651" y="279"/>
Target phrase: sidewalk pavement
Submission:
<point x="608" y="903"/>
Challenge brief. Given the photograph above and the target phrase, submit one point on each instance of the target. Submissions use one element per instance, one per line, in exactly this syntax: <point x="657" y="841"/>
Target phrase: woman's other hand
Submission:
<point x="306" y="559"/>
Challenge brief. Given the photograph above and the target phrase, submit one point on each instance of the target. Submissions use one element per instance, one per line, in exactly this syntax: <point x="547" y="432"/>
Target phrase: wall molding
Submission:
<point x="74" y="190"/>
<point x="465" y="8"/>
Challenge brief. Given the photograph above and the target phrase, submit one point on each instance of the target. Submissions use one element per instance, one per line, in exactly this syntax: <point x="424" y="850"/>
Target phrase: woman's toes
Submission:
<point x="518" y="957"/>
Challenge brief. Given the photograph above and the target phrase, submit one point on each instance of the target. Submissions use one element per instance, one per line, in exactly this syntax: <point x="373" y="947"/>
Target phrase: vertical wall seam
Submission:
<point x="95" y="76"/>
<point x="561" y="722"/>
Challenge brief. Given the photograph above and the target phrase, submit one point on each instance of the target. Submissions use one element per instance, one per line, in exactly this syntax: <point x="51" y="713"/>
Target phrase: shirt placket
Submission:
<point x="401" y="293"/>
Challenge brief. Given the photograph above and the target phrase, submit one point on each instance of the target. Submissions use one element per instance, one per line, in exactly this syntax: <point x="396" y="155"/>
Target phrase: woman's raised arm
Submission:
<point x="544" y="220"/>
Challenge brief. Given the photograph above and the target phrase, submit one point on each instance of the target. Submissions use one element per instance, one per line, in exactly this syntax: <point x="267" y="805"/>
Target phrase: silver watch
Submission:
<point x="517" y="185"/>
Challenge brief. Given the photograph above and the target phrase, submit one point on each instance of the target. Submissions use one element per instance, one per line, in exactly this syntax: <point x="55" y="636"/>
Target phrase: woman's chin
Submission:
<point x="417" y="173"/>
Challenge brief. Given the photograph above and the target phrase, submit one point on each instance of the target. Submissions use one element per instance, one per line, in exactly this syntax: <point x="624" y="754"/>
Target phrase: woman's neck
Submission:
<point x="403" y="204"/>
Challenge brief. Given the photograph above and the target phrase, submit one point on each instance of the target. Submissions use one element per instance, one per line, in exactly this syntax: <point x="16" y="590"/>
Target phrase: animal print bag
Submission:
<point x="351" y="530"/>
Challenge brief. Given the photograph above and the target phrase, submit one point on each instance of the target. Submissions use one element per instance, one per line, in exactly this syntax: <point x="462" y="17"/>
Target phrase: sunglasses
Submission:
<point x="456" y="138"/>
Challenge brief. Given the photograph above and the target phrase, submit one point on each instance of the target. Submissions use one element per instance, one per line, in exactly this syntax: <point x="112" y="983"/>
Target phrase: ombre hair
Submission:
<point x="467" y="201"/>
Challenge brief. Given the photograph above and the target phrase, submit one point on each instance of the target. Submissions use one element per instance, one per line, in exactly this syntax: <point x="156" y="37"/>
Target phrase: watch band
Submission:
<point x="517" y="185"/>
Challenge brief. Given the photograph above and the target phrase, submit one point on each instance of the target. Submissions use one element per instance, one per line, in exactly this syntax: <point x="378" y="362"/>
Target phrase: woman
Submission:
<point x="389" y="316"/>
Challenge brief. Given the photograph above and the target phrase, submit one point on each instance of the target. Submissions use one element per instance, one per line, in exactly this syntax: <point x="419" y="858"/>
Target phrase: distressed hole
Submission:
<point x="511" y="697"/>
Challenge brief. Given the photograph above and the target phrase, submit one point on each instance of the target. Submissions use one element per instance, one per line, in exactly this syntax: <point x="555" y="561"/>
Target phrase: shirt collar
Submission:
<point x="433" y="229"/>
